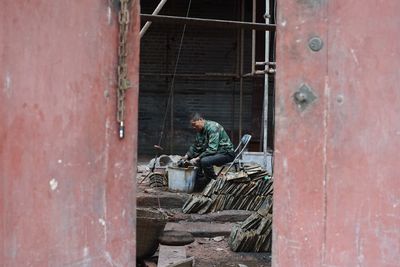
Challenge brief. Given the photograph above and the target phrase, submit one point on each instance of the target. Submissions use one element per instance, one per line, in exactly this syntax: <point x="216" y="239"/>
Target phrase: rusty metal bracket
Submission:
<point x="304" y="96"/>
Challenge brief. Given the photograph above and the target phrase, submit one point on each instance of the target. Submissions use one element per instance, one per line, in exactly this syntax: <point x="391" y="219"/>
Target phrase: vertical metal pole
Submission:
<point x="171" y="144"/>
<point x="237" y="70"/>
<point x="167" y="85"/>
<point x="148" y="23"/>
<point x="265" y="106"/>
<point x="253" y="41"/>
<point x="241" y="72"/>
<point x="238" y="31"/>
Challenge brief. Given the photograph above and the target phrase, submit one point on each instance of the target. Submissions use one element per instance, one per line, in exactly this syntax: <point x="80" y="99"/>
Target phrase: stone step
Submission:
<point x="222" y="216"/>
<point x="201" y="229"/>
<point x="171" y="255"/>
<point x="177" y="215"/>
<point x="165" y="200"/>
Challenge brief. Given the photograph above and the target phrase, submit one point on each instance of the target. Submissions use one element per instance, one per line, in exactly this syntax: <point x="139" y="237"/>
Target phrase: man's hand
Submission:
<point x="194" y="161"/>
<point x="182" y="161"/>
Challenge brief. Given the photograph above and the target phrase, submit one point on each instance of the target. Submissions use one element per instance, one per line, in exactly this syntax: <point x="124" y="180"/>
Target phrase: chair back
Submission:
<point x="238" y="152"/>
<point x="242" y="144"/>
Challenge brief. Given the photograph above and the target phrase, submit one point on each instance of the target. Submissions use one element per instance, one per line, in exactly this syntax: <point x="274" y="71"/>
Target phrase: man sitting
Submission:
<point x="212" y="146"/>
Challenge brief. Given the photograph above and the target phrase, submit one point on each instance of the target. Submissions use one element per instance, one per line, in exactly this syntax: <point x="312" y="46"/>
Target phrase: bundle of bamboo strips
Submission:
<point x="248" y="189"/>
<point x="254" y="234"/>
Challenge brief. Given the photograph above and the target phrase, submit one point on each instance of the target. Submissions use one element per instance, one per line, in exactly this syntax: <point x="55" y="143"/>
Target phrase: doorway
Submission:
<point x="212" y="57"/>
<point x="219" y="71"/>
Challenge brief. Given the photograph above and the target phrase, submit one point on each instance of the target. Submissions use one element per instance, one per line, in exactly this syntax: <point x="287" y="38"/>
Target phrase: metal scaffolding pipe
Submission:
<point x="237" y="68"/>
<point x="207" y="74"/>
<point x="266" y="91"/>
<point x="214" y="23"/>
<point x="241" y="73"/>
<point x="148" y="23"/>
<point x="255" y="73"/>
<point x="253" y="40"/>
<point x="265" y="63"/>
<point x="171" y="129"/>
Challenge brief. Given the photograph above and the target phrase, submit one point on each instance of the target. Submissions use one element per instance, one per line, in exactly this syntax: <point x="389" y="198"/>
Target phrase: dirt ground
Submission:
<point x="211" y="252"/>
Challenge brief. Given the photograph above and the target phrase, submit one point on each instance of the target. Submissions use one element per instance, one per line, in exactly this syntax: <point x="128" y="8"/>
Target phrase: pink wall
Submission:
<point x="67" y="181"/>
<point x="337" y="184"/>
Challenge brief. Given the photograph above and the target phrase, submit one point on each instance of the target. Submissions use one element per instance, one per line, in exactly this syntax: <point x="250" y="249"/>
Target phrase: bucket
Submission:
<point x="181" y="179"/>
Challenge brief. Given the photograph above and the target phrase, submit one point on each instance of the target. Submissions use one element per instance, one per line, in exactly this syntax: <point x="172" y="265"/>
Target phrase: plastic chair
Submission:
<point x="238" y="153"/>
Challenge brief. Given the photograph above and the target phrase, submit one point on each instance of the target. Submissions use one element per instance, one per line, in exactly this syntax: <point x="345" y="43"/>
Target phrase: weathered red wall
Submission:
<point x="67" y="181"/>
<point x="337" y="184"/>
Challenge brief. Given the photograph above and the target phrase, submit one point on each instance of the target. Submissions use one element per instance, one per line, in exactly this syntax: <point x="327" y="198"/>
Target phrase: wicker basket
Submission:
<point x="150" y="225"/>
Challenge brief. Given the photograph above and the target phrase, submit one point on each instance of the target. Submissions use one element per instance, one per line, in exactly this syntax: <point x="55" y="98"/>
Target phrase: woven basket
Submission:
<point x="150" y="225"/>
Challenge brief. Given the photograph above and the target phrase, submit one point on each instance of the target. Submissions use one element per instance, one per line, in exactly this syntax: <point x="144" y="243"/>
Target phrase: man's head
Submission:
<point x="197" y="121"/>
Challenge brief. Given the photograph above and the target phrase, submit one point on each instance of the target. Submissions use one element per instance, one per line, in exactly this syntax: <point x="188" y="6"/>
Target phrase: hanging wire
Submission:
<point x="170" y="91"/>
<point x="173" y="77"/>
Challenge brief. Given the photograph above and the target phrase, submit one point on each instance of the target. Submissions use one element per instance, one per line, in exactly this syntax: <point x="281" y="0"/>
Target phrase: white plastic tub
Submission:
<point x="181" y="179"/>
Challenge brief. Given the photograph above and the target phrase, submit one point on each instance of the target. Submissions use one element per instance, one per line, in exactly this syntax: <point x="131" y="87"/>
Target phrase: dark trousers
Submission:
<point x="206" y="169"/>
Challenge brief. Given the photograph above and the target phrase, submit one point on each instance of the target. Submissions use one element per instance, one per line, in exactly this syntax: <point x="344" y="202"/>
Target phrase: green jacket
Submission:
<point x="211" y="140"/>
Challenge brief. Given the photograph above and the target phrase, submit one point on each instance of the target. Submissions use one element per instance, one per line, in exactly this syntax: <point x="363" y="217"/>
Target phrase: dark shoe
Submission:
<point x="200" y="185"/>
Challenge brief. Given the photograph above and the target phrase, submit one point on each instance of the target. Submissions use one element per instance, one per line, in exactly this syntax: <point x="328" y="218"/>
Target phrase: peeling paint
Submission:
<point x="104" y="199"/>
<point x="107" y="125"/>
<point x="109" y="16"/>
<point x="353" y="54"/>
<point x="53" y="184"/>
<point x="105" y="156"/>
<point x="7" y="85"/>
<point x="359" y="247"/>
<point x="102" y="222"/>
<point x="13" y="247"/>
<point x="118" y="164"/>
<point x="86" y="262"/>
<point x="312" y="3"/>
<point x="85" y="251"/>
<point x="110" y="259"/>
<point x="285" y="165"/>
<point x="325" y="167"/>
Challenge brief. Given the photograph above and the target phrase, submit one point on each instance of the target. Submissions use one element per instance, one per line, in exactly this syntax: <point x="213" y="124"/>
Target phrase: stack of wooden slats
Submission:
<point x="254" y="234"/>
<point x="248" y="189"/>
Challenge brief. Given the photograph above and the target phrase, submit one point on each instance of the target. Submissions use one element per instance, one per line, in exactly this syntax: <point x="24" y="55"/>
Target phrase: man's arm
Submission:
<point x="194" y="149"/>
<point x="213" y="143"/>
